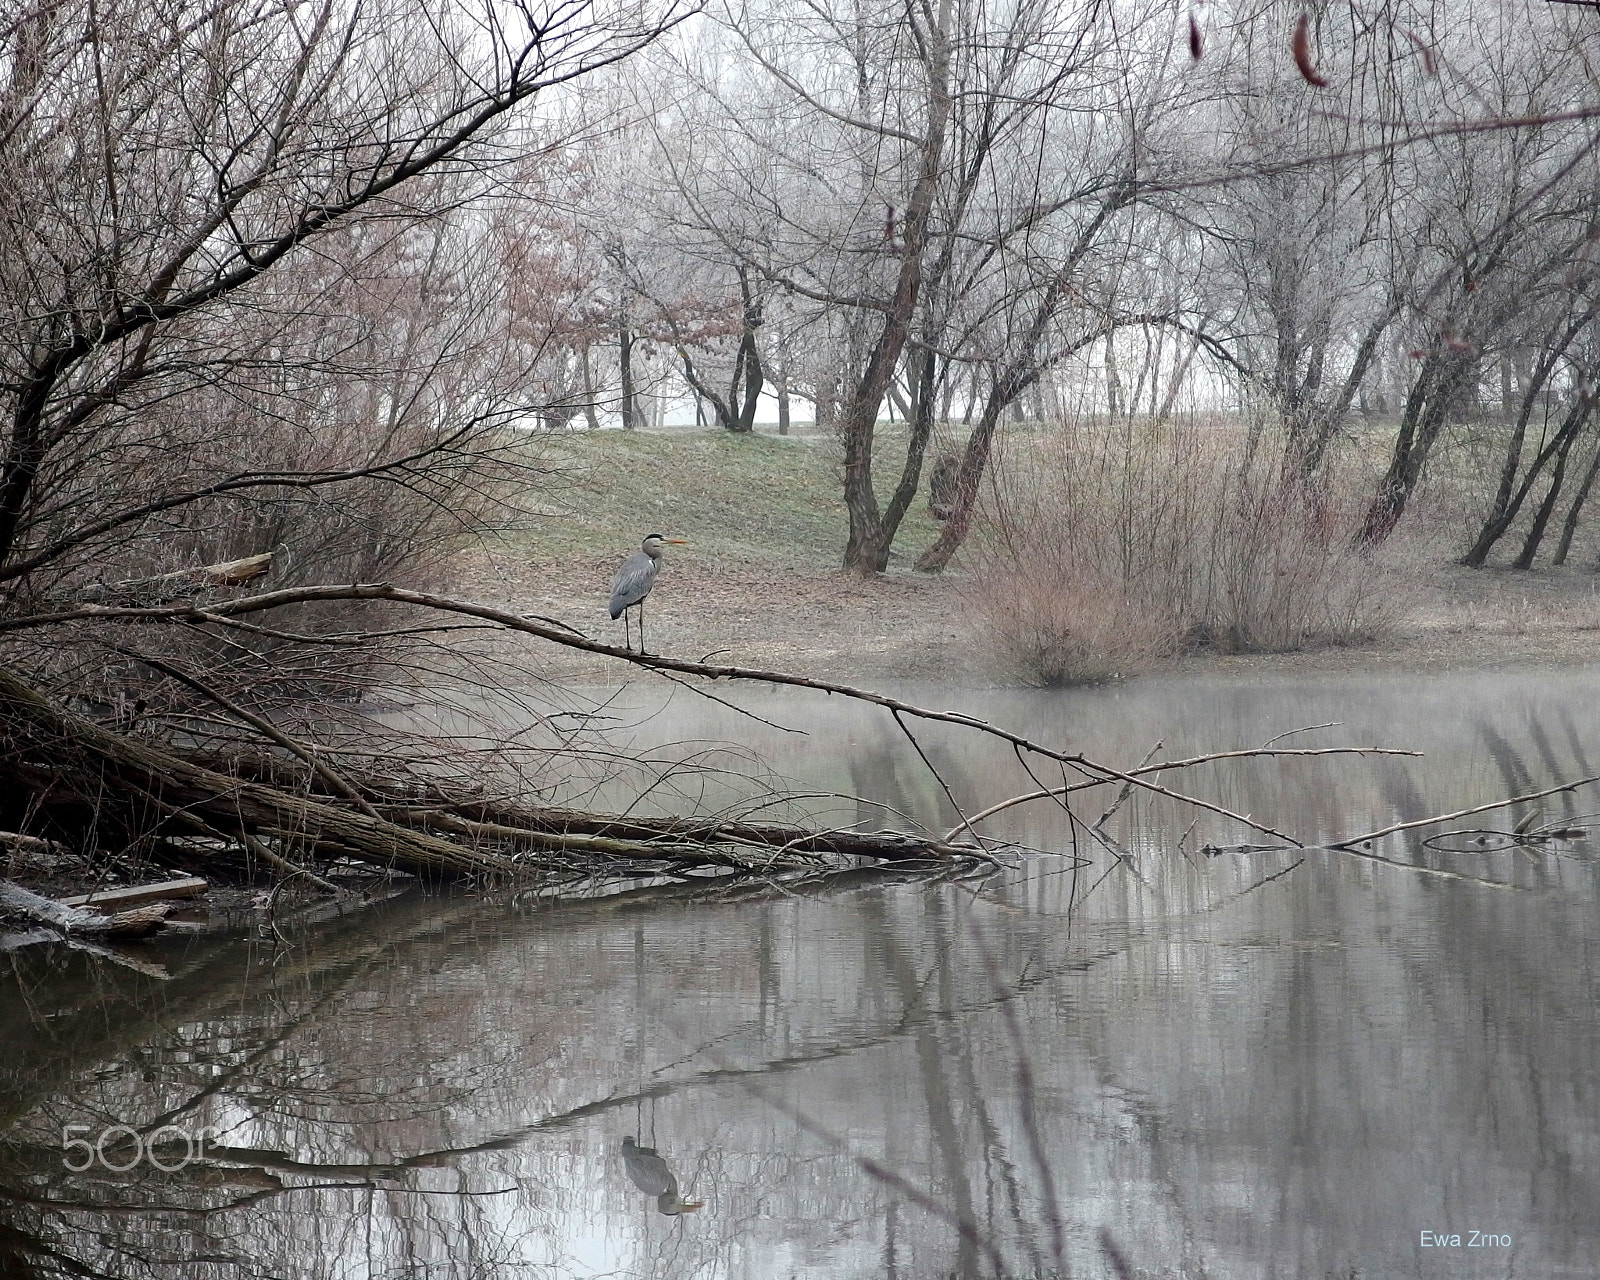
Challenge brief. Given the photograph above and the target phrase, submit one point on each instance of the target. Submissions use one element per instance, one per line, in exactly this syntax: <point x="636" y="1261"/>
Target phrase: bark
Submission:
<point x="969" y="477"/>
<point x="867" y="549"/>
<point x="630" y="403"/>
<point x="1555" y="447"/>
<point x="736" y="411"/>
<point x="1541" y="519"/>
<point x="1506" y="501"/>
<point x="1312" y="432"/>
<point x="1427" y="408"/>
<point x="589" y="414"/>
<point x="1569" y="527"/>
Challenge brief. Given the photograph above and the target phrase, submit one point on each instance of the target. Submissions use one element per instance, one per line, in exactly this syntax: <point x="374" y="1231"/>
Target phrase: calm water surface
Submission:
<point x="1272" y="1064"/>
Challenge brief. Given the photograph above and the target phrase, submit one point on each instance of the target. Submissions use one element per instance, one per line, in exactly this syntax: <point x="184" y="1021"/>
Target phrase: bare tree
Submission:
<point x="906" y="175"/>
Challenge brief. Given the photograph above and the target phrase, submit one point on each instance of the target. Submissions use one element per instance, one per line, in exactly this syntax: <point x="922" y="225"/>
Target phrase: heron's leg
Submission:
<point x="641" y="628"/>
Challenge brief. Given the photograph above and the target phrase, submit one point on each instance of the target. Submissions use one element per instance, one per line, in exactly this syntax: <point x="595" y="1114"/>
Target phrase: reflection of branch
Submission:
<point x="1056" y="792"/>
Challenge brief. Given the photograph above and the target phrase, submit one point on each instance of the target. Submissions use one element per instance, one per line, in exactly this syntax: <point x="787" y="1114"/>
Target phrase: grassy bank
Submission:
<point x="760" y="582"/>
<point x="748" y="499"/>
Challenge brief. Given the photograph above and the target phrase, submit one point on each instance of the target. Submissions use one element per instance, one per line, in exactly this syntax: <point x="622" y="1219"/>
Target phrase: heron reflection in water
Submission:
<point x="650" y="1173"/>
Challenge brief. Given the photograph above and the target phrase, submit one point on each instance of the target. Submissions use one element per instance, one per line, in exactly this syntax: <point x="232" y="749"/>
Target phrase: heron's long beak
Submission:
<point x="677" y="542"/>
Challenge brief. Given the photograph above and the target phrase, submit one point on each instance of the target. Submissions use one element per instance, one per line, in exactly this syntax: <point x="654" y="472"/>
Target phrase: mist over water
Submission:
<point x="1260" y="1064"/>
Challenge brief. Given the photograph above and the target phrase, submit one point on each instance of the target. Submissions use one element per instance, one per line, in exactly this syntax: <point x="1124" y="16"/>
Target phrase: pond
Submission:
<point x="1147" y="1061"/>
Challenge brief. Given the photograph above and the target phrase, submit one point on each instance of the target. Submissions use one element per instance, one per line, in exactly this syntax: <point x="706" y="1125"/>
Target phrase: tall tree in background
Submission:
<point x="891" y="167"/>
<point x="164" y="166"/>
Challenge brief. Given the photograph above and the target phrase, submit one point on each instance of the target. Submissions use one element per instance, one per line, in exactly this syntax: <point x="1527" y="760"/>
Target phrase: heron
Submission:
<point x="634" y="580"/>
<point x="651" y="1174"/>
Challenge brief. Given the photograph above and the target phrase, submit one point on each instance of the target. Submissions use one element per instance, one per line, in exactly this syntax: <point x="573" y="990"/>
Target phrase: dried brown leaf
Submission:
<point x="1300" y="46"/>
<point x="1425" y="49"/>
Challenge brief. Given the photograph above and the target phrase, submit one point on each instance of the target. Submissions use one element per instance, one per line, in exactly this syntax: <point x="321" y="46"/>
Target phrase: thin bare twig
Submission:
<point x="1345" y="845"/>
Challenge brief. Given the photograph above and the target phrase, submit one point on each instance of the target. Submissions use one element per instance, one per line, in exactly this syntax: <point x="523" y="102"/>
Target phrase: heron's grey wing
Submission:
<point x="632" y="583"/>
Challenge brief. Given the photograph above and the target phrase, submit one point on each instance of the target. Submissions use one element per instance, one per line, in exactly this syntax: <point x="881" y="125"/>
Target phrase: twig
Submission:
<point x="1289" y="733"/>
<point x="1127" y="788"/>
<point x="1346" y="845"/>
<point x="262" y="726"/>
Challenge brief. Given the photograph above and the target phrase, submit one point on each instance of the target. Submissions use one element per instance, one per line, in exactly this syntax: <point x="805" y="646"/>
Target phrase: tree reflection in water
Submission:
<point x="1202" y="1066"/>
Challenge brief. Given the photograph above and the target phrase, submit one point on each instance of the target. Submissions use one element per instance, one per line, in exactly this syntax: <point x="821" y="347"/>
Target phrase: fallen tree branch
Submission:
<point x="560" y="634"/>
<point x="1346" y="845"/>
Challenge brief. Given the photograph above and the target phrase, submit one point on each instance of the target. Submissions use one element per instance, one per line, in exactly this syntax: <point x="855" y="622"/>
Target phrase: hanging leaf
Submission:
<point x="1300" y="46"/>
<point x="1425" y="49"/>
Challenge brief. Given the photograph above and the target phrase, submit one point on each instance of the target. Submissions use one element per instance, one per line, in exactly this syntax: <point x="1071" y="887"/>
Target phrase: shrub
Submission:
<point x="1106" y="547"/>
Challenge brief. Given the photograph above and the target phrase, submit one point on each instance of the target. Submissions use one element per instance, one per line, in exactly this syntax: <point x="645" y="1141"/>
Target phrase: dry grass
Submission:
<point x="1107" y="547"/>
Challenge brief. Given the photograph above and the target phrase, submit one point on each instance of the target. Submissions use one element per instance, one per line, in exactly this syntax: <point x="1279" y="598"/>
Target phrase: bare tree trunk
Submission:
<point x="589" y="414"/>
<point x="1427" y="408"/>
<point x="1175" y="387"/>
<point x="1569" y="527"/>
<point x="1309" y="446"/>
<point x="1113" y="379"/>
<point x="630" y="405"/>
<point x="1507" y="500"/>
<point x="867" y="549"/>
<point x="1541" y="519"/>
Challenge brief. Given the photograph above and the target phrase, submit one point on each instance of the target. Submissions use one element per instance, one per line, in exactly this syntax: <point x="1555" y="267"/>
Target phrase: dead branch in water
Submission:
<point x="78" y="921"/>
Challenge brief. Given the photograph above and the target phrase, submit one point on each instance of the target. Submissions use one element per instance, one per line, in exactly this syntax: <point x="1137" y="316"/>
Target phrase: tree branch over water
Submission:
<point x="269" y="803"/>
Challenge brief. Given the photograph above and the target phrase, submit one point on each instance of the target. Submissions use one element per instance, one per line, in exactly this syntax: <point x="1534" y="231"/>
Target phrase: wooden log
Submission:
<point x="167" y="587"/>
<point x="110" y="900"/>
<point x="76" y="921"/>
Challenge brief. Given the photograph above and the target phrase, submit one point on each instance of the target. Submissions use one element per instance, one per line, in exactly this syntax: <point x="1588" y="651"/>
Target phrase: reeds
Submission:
<point x="1105" y="547"/>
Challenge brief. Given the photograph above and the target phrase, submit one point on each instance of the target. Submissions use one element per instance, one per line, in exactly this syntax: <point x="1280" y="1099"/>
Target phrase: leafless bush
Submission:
<point x="1108" y="546"/>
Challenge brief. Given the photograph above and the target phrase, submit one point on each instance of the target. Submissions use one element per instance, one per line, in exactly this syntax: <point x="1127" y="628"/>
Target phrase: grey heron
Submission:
<point x="634" y="580"/>
<point x="651" y="1174"/>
